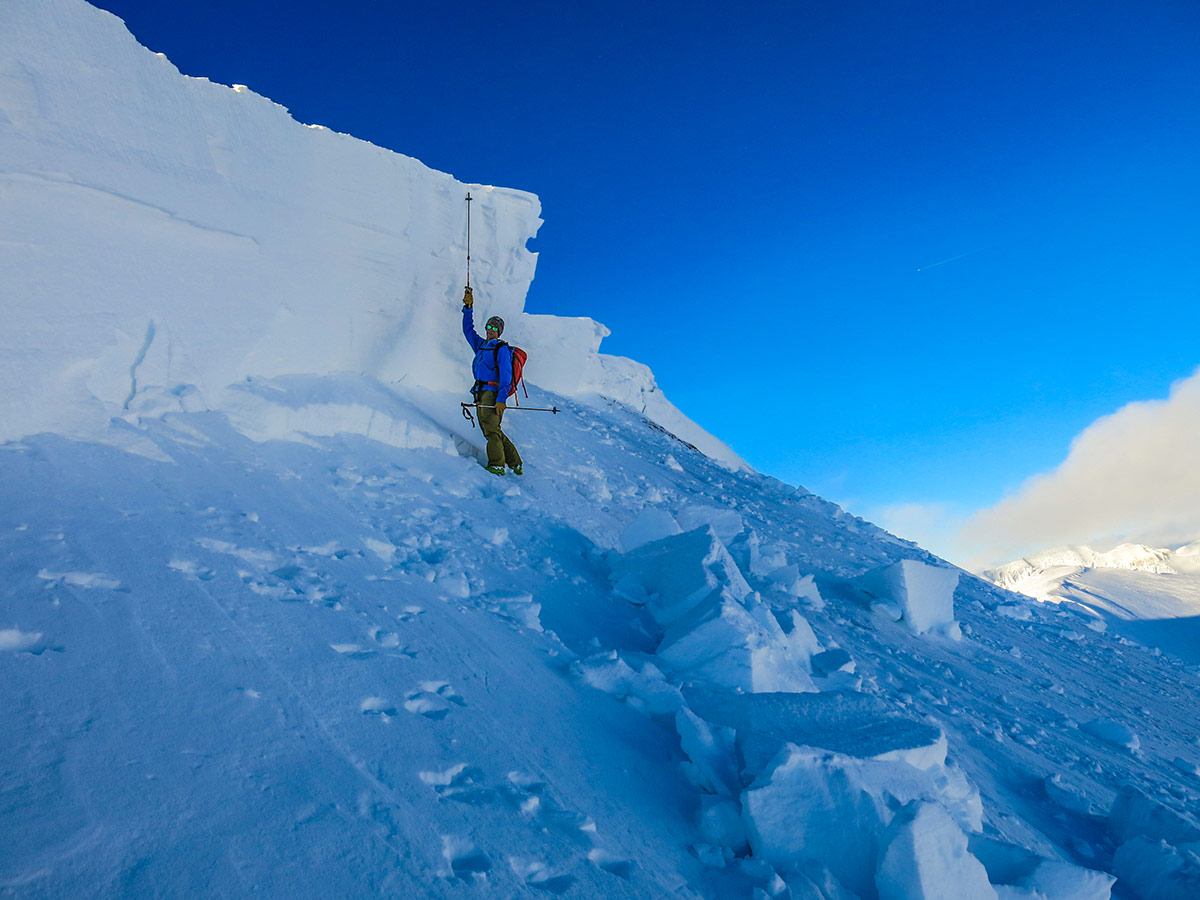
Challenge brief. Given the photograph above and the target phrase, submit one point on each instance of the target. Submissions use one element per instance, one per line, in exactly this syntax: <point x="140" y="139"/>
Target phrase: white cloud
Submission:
<point x="1134" y="474"/>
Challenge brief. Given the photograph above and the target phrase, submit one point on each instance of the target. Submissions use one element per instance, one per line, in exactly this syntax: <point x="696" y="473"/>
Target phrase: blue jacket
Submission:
<point x="484" y="367"/>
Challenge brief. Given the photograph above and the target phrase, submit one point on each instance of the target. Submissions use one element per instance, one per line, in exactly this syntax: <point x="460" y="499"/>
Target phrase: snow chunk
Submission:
<point x="711" y="751"/>
<point x="1159" y="853"/>
<point x="925" y="857"/>
<point x="649" y="689"/>
<point x="383" y="549"/>
<point x="18" y="641"/>
<point x="1020" y="872"/>
<point x="789" y="807"/>
<point x="674" y="575"/>
<point x="789" y="580"/>
<point x="738" y="645"/>
<point x="1155" y="870"/>
<point x="1133" y="814"/>
<point x="836" y="660"/>
<point x="1114" y="733"/>
<point x="516" y="606"/>
<point x="726" y="523"/>
<point x="1187" y="766"/>
<point x="94" y="580"/>
<point x="1067" y="796"/>
<point x="649" y="525"/>
<point x="923" y="594"/>
<point x="852" y="724"/>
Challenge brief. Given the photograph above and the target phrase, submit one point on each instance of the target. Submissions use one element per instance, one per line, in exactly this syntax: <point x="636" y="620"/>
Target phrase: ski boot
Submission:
<point x="495" y="470"/>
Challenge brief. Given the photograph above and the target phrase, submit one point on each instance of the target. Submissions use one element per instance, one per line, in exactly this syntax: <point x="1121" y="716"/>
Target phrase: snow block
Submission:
<point x="738" y="645"/>
<point x="837" y="660"/>
<point x="711" y="751"/>
<point x="1133" y="814"/>
<point x="752" y="556"/>
<point x="925" y="857"/>
<point x="651" y="524"/>
<point x="1069" y="797"/>
<point x="789" y="807"/>
<point x="680" y="573"/>
<point x="851" y="724"/>
<point x="788" y="580"/>
<point x="647" y="689"/>
<point x="1156" y="870"/>
<point x="1159" y="853"/>
<point x="726" y="523"/>
<point x="1029" y="875"/>
<point x="1114" y="733"/>
<point x="923" y="594"/>
<point x="721" y="823"/>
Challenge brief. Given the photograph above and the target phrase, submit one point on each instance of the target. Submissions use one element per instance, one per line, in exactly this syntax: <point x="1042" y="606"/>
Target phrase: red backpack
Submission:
<point x="518" y="365"/>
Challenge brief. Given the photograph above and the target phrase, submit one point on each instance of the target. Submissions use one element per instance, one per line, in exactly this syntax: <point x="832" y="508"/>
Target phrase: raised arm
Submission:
<point x="469" y="321"/>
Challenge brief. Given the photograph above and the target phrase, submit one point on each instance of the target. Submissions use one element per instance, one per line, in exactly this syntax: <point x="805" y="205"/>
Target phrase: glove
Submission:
<point x="468" y="298"/>
<point x="500" y="407"/>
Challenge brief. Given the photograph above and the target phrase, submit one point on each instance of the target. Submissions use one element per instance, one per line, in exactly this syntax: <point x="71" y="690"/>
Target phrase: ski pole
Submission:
<point x="467" y="407"/>
<point x="468" y="239"/>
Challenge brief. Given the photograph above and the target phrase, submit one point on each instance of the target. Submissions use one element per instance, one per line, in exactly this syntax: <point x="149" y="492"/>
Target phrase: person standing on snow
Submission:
<point x="493" y="379"/>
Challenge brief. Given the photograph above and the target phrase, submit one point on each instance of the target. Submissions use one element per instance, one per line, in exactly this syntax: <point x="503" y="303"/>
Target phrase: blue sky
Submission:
<point x="899" y="253"/>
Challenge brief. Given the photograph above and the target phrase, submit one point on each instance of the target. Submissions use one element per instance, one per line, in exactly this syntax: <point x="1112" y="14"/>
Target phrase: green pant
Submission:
<point x="500" y="450"/>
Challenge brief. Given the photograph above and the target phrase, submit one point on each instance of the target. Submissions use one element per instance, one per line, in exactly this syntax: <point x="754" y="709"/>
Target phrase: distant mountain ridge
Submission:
<point x="1150" y="595"/>
<point x="1030" y="574"/>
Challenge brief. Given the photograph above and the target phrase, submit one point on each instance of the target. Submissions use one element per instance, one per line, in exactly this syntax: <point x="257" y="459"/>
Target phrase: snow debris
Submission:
<point x="1157" y="870"/>
<point x="384" y="550"/>
<point x="710" y="749"/>
<point x="925" y="857"/>
<point x="516" y="606"/>
<point x="1069" y="797"/>
<point x="1020" y="873"/>
<point x="17" y="641"/>
<point x="726" y="523"/>
<point x="610" y="673"/>
<point x="737" y="645"/>
<point x="789" y="580"/>
<point x="467" y="862"/>
<point x="90" y="580"/>
<point x="1134" y="814"/>
<point x="1158" y="853"/>
<point x="678" y="574"/>
<point x="651" y="524"/>
<point x="921" y="594"/>
<point x="1112" y="732"/>
<point x="830" y="661"/>
<point x="789" y="806"/>
<point x="1187" y="766"/>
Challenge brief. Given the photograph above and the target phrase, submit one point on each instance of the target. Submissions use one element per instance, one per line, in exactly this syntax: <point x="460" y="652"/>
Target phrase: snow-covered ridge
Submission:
<point x="1039" y="574"/>
<point x="164" y="238"/>
<point x="1150" y="595"/>
<point x="1136" y="557"/>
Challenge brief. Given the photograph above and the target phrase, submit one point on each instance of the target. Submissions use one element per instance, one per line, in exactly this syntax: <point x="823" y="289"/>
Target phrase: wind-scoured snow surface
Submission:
<point x="267" y="627"/>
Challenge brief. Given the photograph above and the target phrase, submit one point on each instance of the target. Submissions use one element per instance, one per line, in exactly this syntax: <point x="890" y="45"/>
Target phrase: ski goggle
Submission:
<point x="492" y="327"/>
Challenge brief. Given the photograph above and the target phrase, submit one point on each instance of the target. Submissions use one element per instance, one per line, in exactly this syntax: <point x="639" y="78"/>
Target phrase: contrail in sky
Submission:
<point x="951" y="259"/>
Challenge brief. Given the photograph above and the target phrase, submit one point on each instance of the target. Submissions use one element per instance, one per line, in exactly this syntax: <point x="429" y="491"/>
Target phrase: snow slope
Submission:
<point x="1142" y="593"/>
<point x="267" y="627"/>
